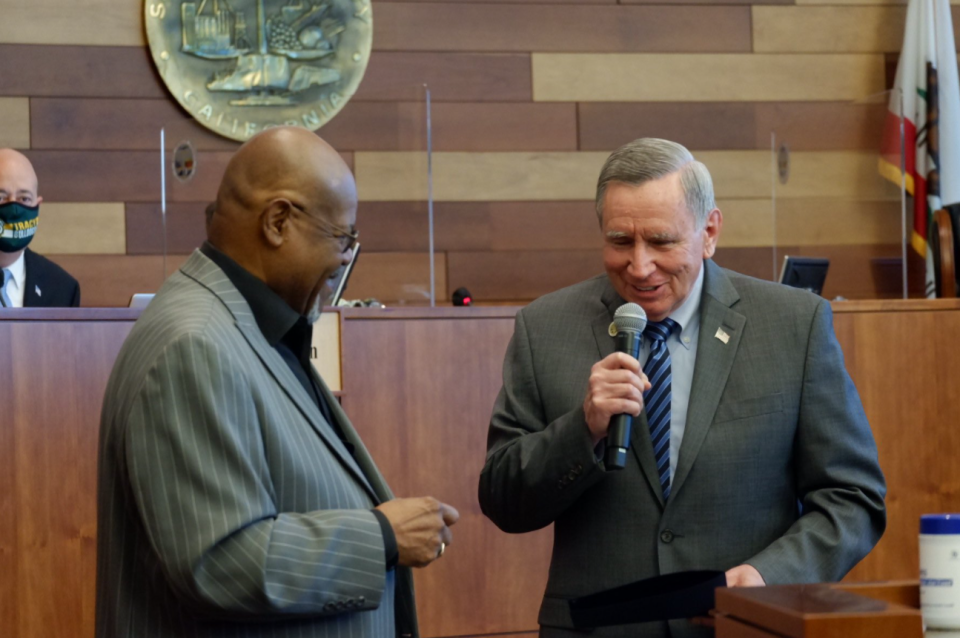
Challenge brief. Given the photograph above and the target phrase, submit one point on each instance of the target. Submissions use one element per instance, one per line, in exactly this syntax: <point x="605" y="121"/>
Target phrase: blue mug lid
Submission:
<point x="940" y="524"/>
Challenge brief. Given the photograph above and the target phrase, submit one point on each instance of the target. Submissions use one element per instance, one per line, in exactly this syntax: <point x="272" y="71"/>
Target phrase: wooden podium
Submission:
<point x="419" y="385"/>
<point x="868" y="610"/>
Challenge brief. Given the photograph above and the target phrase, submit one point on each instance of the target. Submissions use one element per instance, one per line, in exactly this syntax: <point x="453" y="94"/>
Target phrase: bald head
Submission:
<point x="284" y="162"/>
<point x="285" y="199"/>
<point x="18" y="180"/>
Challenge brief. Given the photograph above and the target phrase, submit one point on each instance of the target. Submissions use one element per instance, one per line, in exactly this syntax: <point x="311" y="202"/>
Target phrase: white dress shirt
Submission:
<point x="683" y="360"/>
<point x="17" y="283"/>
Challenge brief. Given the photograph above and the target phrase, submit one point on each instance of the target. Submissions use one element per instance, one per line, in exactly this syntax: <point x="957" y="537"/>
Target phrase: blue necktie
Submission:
<point x="4" y="299"/>
<point x="657" y="399"/>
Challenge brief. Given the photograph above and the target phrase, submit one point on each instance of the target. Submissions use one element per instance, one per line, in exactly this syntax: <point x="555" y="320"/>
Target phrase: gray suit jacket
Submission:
<point x="227" y="505"/>
<point x="777" y="468"/>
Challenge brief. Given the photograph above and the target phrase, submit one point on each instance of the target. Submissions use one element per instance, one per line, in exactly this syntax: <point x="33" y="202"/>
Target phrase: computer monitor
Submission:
<point x="140" y="300"/>
<point x="807" y="273"/>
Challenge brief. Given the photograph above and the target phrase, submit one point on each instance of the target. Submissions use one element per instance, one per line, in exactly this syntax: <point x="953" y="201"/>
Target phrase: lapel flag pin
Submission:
<point x="612" y="330"/>
<point x="37" y="288"/>
<point x="722" y="336"/>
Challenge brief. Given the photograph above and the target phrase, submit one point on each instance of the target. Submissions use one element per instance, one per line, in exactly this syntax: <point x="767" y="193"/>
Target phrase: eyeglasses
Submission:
<point x="346" y="238"/>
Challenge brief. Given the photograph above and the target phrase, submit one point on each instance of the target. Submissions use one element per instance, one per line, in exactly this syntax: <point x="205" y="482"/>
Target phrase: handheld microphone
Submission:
<point x="630" y="321"/>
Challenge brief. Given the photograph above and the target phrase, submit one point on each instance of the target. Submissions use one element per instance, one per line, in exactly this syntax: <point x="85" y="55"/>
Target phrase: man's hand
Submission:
<point x="616" y="386"/>
<point x="744" y="576"/>
<point x="420" y="525"/>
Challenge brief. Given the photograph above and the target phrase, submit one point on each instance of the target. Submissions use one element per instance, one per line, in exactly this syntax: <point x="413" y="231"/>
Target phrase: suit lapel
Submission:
<point x="361" y="456"/>
<point x="31" y="281"/>
<point x="714" y="361"/>
<point x="640" y="443"/>
<point x="208" y="274"/>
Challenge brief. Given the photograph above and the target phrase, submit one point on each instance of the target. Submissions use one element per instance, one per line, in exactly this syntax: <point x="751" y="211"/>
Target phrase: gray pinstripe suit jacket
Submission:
<point x="227" y="505"/>
<point x="778" y="466"/>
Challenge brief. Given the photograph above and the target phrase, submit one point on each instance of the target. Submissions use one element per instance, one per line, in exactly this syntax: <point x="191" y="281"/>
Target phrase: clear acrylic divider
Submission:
<point x="398" y="264"/>
<point x="191" y="161"/>
<point x="837" y="193"/>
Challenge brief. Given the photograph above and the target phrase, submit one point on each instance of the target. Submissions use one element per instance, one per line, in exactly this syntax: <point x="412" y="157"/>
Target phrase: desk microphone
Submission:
<point x="630" y="321"/>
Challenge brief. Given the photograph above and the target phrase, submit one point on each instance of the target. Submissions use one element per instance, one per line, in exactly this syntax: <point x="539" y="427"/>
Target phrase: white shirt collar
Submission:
<point x="688" y="314"/>
<point x="17" y="285"/>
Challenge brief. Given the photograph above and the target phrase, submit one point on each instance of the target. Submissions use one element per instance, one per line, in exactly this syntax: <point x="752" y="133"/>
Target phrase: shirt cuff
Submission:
<point x="390" y="550"/>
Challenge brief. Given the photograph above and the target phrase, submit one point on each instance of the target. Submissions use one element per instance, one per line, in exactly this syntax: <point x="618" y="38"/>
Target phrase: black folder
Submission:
<point x="667" y="597"/>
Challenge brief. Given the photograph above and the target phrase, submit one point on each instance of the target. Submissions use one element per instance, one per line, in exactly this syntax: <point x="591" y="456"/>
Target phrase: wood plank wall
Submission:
<point x="528" y="97"/>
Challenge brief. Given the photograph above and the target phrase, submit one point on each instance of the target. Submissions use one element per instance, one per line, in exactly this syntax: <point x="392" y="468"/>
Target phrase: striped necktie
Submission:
<point x="657" y="398"/>
<point x="4" y="299"/>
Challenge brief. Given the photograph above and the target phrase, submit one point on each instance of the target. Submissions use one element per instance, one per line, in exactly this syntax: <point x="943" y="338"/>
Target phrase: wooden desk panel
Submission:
<point x="52" y="375"/>
<point x="419" y="386"/>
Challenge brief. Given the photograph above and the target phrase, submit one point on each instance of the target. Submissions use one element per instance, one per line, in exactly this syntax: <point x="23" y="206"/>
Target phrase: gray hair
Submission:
<point x="648" y="159"/>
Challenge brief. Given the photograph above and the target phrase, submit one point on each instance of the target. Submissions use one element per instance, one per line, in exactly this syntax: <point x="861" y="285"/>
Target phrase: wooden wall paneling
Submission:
<point x="457" y="126"/>
<point x="115" y="124"/>
<point x="186" y="228"/>
<point x="523" y="28"/>
<point x="856" y="2"/>
<point x="478" y="176"/>
<point x="520" y="275"/>
<point x="724" y="2"/>
<point x="864" y="271"/>
<point x="907" y="411"/>
<point x="81" y="22"/>
<point x="605" y="126"/>
<point x="397" y="278"/>
<point x="122" y="124"/>
<point x="125" y="176"/>
<point x="97" y="176"/>
<point x="478" y="226"/>
<point x="54" y="372"/>
<point x="832" y="29"/>
<point x="822" y="126"/>
<point x="78" y="71"/>
<point x="812" y="222"/>
<point x="127" y="72"/>
<point x="809" y="126"/>
<point x="452" y="77"/>
<point x="809" y="222"/>
<point x="87" y="228"/>
<point x="746" y="222"/>
<point x="14" y="122"/>
<point x="488" y="582"/>
<point x="404" y="226"/>
<point x="718" y="77"/>
<point x="110" y="280"/>
<point x="401" y="176"/>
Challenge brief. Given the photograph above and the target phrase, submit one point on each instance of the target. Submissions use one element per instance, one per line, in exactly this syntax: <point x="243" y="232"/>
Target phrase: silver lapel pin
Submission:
<point x="722" y="336"/>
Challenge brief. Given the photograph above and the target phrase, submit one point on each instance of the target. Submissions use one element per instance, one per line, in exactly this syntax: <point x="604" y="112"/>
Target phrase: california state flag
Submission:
<point x="927" y="78"/>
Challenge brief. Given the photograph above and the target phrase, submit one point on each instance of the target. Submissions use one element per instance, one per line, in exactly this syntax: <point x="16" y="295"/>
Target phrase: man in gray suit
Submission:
<point x="235" y="498"/>
<point x="751" y="454"/>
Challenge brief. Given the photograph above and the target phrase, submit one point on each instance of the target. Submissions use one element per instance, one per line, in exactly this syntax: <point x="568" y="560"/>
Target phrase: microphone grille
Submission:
<point x="630" y="317"/>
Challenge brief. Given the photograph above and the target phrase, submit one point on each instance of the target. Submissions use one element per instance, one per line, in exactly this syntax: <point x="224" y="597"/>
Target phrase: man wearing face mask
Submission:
<point x="28" y="279"/>
<point x="235" y="497"/>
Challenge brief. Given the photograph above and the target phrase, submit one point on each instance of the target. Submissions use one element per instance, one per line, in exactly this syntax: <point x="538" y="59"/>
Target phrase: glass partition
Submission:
<point x="837" y="193"/>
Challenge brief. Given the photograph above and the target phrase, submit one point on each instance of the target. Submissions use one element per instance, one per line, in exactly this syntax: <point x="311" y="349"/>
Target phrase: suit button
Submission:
<point x="579" y="468"/>
<point x="666" y="536"/>
<point x="561" y="484"/>
<point x="572" y="476"/>
<point x="361" y="599"/>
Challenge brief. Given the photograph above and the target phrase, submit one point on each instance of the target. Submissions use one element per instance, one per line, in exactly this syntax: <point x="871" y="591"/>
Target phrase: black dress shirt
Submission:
<point x="291" y="335"/>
